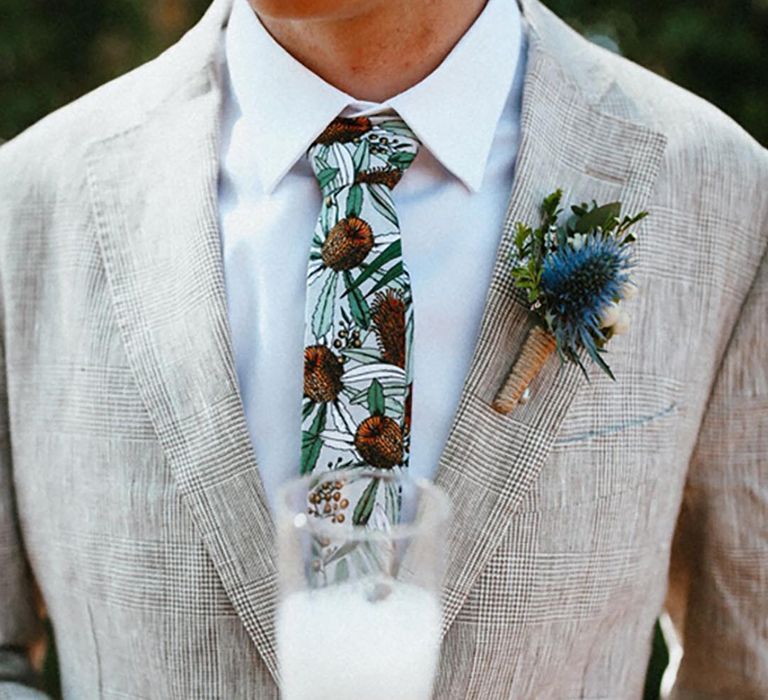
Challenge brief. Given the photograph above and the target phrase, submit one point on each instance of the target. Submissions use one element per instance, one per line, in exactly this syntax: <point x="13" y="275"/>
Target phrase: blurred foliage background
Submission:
<point x="52" y="51"/>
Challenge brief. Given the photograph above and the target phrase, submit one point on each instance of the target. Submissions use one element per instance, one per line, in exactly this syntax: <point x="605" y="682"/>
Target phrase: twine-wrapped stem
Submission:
<point x="538" y="346"/>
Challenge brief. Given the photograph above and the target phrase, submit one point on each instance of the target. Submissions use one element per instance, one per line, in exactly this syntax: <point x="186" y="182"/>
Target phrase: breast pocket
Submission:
<point x="615" y="438"/>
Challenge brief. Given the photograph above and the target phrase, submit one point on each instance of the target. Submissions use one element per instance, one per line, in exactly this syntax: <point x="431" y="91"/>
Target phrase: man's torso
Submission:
<point x="137" y="490"/>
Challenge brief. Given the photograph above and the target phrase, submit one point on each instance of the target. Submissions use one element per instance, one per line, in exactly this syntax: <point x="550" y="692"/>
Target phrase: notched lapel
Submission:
<point x="490" y="460"/>
<point x="154" y="194"/>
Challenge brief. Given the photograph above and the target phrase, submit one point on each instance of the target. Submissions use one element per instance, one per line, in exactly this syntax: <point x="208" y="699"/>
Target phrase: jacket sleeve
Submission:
<point x="719" y="567"/>
<point x="20" y="625"/>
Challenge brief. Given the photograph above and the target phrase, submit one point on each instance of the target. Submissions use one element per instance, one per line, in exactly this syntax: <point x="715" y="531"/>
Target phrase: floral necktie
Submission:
<point x="359" y="317"/>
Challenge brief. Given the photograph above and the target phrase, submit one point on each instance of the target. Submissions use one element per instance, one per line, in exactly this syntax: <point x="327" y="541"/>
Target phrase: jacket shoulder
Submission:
<point x="706" y="152"/>
<point x="618" y="85"/>
<point x="53" y="148"/>
<point x="681" y="115"/>
<point x="711" y="163"/>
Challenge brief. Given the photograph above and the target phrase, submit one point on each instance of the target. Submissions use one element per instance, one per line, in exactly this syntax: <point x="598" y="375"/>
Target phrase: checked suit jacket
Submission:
<point x="130" y="497"/>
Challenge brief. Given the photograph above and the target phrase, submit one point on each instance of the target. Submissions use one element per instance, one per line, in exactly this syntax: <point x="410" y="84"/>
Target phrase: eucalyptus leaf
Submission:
<point x="321" y="160"/>
<point x="392" y="251"/>
<point x="311" y="442"/>
<point x="397" y="127"/>
<point x="358" y="305"/>
<point x="401" y="159"/>
<point x="364" y="506"/>
<point x="382" y="202"/>
<point x="306" y="409"/>
<point x="395" y="271"/>
<point x="310" y="451"/>
<point x="355" y="200"/>
<point x="342" y="571"/>
<point x="318" y="422"/>
<point x="361" y="158"/>
<point x="326" y="175"/>
<point x="322" y="316"/>
<point x="376" y="399"/>
<point x="390" y="390"/>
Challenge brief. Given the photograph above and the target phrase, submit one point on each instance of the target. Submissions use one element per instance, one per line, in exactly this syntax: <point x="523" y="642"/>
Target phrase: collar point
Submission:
<point x="472" y="181"/>
<point x="268" y="187"/>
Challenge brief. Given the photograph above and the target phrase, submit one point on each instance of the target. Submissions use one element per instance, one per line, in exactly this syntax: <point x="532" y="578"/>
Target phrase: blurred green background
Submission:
<point x="52" y="51"/>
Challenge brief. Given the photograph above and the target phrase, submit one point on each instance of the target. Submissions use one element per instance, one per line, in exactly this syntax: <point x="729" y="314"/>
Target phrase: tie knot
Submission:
<point x="363" y="150"/>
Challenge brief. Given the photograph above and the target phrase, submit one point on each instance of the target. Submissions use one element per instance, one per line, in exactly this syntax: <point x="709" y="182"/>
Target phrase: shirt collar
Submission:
<point x="454" y="111"/>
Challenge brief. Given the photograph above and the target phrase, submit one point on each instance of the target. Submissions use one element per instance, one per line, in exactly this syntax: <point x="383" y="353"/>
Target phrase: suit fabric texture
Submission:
<point x="129" y="491"/>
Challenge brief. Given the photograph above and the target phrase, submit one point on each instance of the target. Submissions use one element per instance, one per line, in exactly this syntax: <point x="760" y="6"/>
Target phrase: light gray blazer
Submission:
<point x="129" y="490"/>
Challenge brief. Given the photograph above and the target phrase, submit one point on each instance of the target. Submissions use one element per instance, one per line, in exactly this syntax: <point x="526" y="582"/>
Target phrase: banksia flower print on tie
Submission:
<point x="359" y="310"/>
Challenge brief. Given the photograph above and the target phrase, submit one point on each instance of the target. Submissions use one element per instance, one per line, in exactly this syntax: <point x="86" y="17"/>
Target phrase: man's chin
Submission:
<point x="311" y="9"/>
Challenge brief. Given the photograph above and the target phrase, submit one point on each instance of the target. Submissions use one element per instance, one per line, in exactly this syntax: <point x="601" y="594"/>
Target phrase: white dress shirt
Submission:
<point x="451" y="203"/>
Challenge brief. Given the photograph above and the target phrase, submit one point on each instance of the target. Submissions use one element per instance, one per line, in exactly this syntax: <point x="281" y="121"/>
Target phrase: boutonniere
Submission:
<point x="574" y="277"/>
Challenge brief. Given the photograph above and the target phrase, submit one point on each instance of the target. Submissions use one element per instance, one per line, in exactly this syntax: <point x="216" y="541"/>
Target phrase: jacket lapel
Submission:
<point x="490" y="460"/>
<point x="154" y="194"/>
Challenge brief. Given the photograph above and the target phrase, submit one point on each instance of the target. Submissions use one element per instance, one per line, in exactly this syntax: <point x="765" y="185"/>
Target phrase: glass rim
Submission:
<point x="353" y="532"/>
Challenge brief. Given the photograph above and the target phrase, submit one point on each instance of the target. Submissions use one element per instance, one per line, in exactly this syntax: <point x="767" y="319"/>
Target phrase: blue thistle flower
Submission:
<point x="577" y="284"/>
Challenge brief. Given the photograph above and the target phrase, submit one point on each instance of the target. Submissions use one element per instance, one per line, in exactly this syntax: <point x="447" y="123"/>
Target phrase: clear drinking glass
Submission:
<point x="361" y="565"/>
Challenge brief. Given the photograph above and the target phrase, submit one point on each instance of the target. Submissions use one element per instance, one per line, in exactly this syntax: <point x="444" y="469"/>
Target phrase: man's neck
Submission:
<point x="381" y="51"/>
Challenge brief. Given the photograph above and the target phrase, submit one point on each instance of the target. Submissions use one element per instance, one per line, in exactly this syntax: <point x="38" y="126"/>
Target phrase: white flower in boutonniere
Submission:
<point x="575" y="278"/>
